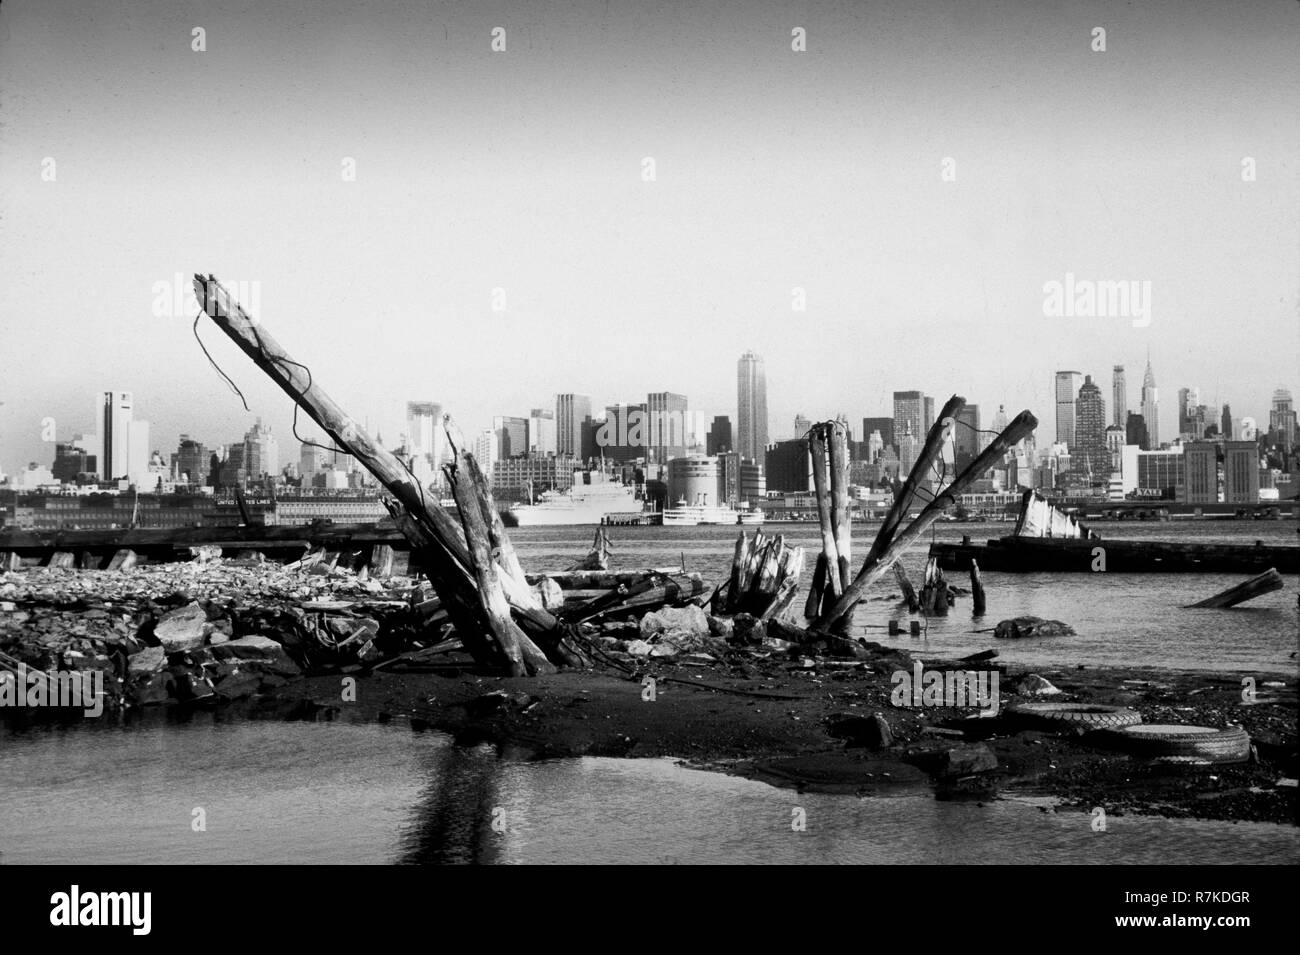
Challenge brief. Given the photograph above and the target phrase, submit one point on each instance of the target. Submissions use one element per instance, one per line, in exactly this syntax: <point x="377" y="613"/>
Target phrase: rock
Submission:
<point x="260" y="649"/>
<point x="1035" y="685"/>
<point x="688" y="620"/>
<point x="204" y="553"/>
<point x="549" y="593"/>
<point x="869" y="731"/>
<point x="491" y="702"/>
<point x="776" y="643"/>
<point x="238" y="683"/>
<point x="638" y="648"/>
<point x="183" y="629"/>
<point x="1019" y="628"/>
<point x="972" y="758"/>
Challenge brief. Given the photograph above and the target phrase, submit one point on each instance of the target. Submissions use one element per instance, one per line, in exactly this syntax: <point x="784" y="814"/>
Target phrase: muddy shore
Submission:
<point x="788" y="729"/>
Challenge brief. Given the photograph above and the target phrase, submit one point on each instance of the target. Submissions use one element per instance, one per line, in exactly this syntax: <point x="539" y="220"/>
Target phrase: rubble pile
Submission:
<point x="211" y="629"/>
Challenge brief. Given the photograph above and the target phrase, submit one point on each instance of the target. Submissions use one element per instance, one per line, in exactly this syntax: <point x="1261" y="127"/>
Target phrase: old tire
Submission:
<point x="1075" y="717"/>
<point x="1176" y="744"/>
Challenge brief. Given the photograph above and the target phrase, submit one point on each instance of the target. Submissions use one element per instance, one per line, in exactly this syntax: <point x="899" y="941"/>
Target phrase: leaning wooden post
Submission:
<point x="904" y="584"/>
<point x="874" y="568"/>
<point x="445" y="551"/>
<point x="838" y="449"/>
<point x="817" y="451"/>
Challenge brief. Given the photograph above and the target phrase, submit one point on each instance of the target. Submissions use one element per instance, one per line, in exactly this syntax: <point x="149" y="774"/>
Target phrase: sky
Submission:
<point x="129" y="160"/>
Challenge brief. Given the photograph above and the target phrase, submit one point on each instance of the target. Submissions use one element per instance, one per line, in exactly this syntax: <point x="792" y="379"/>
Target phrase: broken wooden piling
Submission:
<point x="1264" y="583"/>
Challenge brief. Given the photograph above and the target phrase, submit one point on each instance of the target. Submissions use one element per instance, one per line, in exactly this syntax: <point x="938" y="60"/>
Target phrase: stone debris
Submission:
<point x="208" y="629"/>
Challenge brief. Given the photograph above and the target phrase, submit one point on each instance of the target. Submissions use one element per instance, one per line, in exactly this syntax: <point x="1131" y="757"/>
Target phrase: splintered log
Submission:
<point x="761" y="569"/>
<point x="438" y="543"/>
<point x="1265" y="583"/>
<point x="909" y="592"/>
<point x="821" y="479"/>
<point x="934" y="590"/>
<point x="976" y="590"/>
<point x="877" y="566"/>
<point x="522" y="655"/>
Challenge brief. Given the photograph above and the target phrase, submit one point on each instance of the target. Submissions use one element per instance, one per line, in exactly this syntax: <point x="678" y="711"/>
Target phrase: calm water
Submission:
<point x="338" y="793"/>
<point x="1121" y="619"/>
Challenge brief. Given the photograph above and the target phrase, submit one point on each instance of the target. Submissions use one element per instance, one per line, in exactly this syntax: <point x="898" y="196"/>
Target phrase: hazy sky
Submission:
<point x="523" y="170"/>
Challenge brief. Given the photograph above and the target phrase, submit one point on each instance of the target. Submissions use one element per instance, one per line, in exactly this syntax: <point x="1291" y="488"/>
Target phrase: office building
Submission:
<point x="1067" y="391"/>
<point x="751" y="407"/>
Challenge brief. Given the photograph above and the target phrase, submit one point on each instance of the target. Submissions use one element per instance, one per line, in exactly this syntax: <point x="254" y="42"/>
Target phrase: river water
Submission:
<point x="299" y="792"/>
<point x="335" y="792"/>
<point x="1121" y="619"/>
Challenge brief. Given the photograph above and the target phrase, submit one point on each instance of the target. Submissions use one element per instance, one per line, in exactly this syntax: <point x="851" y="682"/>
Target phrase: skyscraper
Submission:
<point x="571" y="410"/>
<point x="1090" y="431"/>
<point x="542" y="438"/>
<point x="512" y="436"/>
<point x="1118" y="397"/>
<point x="1225" y="423"/>
<point x="1151" y="407"/>
<point x="1282" y="419"/>
<point x="909" y="416"/>
<point x="751" y="408"/>
<point x="261" y="452"/>
<point x="667" y="425"/>
<point x="1067" y="388"/>
<point x="115" y="432"/>
<point x="424" y="432"/>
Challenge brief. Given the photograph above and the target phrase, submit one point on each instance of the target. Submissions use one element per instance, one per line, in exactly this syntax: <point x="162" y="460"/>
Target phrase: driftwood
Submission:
<point x="479" y="579"/>
<point x="882" y="555"/>
<point x="1265" y="583"/>
<point x="598" y="557"/>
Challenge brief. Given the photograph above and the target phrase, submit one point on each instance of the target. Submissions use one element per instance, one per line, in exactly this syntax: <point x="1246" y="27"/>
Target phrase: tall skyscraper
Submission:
<point x="425" y="434"/>
<point x="1135" y="431"/>
<point x="1118" y="397"/>
<point x="571" y="410"/>
<point x="751" y="408"/>
<point x="927" y="416"/>
<point x="1225" y="423"/>
<point x="1089" y="442"/>
<point x="909" y="416"/>
<point x="115" y="415"/>
<point x="123" y="446"/>
<point x="1282" y="420"/>
<point x="1067" y="389"/>
<point x="1151" y="407"/>
<point x="261" y="452"/>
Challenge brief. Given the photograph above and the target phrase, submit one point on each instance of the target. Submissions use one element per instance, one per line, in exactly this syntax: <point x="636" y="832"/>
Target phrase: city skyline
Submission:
<point x="421" y="437"/>
<point x="794" y="208"/>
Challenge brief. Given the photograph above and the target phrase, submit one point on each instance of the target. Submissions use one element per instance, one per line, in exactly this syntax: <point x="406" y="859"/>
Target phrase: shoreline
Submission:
<point x="784" y="726"/>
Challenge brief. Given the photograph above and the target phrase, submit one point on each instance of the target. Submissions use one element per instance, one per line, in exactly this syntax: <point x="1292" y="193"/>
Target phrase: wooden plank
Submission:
<point x="818" y="452"/>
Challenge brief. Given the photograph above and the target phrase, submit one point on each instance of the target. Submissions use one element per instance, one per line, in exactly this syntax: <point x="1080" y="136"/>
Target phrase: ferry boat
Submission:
<point x="593" y="497"/>
<point x="693" y="515"/>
